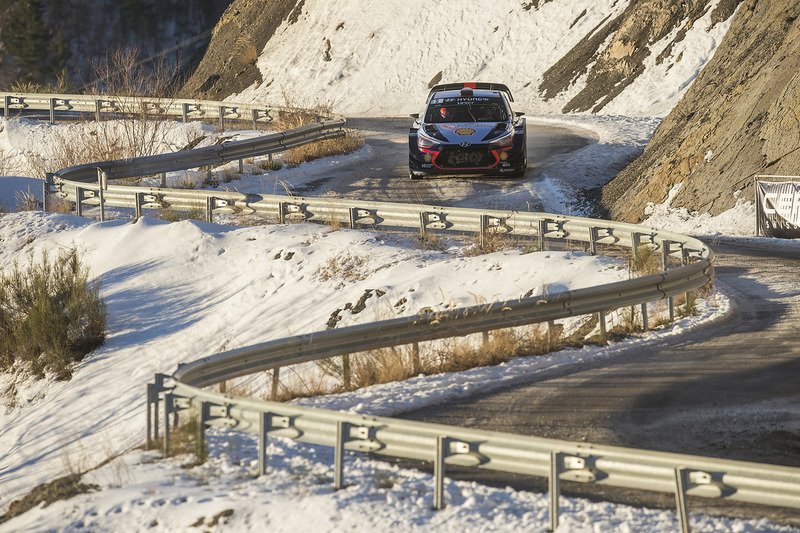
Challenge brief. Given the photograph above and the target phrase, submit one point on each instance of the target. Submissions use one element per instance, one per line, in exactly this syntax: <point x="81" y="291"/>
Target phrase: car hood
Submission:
<point x="472" y="132"/>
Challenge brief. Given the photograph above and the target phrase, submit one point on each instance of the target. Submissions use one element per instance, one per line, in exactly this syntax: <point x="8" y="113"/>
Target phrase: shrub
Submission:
<point x="50" y="315"/>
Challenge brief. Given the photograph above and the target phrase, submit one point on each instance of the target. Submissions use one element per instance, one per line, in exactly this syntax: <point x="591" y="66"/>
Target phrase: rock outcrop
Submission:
<point x="229" y="65"/>
<point x="740" y="118"/>
<point x="614" y="53"/>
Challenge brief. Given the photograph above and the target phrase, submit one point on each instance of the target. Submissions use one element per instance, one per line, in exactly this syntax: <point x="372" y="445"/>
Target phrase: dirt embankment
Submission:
<point x="229" y="65"/>
<point x="740" y="118"/>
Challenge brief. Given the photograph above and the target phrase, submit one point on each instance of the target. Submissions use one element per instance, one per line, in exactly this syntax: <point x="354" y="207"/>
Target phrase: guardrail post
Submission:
<point x="685" y="261"/>
<point x="149" y="402"/>
<point x="137" y="204"/>
<point x="681" y="482"/>
<point x="276" y="382"/>
<point x="438" y="473"/>
<point x="542" y="231"/>
<point x="209" y="209"/>
<point x="48" y="183"/>
<point x="262" y="443"/>
<point x="665" y="251"/>
<point x="168" y="399"/>
<point x="6" y="106"/>
<point x="222" y="118"/>
<point x="52" y="111"/>
<point x="163" y="180"/>
<point x="204" y="417"/>
<point x="102" y="184"/>
<point x="338" y="455"/>
<point x="593" y="240"/>
<point x="601" y="319"/>
<point x="644" y="317"/>
<point x="346" y="373"/>
<point x="281" y="212"/>
<point x="415" y="358"/>
<point x="635" y="246"/>
<point x="263" y="425"/>
<point x="185" y="112"/>
<point x="554" y="487"/>
<point x="241" y="166"/>
<point x="353" y="217"/>
<point x="484" y="227"/>
<point x="97" y="106"/>
<point x="78" y="198"/>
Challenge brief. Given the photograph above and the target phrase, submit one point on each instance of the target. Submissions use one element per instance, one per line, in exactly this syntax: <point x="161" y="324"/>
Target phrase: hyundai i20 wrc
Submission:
<point x="468" y="129"/>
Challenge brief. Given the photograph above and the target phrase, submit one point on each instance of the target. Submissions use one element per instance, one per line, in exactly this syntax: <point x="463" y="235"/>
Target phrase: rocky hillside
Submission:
<point x="377" y="58"/>
<point x="615" y="52"/>
<point x="39" y="39"/>
<point x="229" y="64"/>
<point x="740" y="118"/>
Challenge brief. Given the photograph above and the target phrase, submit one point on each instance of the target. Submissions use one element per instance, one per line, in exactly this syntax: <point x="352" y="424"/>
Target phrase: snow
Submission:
<point x="377" y="57"/>
<point x="176" y="292"/>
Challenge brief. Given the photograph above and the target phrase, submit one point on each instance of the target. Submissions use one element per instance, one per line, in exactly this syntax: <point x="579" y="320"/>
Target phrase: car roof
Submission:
<point x="477" y="89"/>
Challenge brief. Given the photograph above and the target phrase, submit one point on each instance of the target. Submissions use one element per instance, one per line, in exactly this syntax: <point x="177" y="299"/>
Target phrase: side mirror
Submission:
<point x="519" y="114"/>
<point x="415" y="116"/>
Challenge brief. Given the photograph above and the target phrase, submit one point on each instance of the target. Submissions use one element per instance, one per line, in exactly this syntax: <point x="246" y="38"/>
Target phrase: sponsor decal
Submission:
<point x="462" y="100"/>
<point x="465" y="131"/>
<point x="778" y="209"/>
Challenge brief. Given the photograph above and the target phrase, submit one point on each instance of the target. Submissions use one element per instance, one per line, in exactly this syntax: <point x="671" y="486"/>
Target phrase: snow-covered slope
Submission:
<point x="378" y="57"/>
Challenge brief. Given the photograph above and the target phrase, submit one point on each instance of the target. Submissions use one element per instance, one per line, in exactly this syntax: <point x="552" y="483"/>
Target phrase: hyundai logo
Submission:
<point x="465" y="144"/>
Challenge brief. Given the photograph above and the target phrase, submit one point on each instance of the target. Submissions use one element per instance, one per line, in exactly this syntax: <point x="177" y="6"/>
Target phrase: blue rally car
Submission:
<point x="468" y="129"/>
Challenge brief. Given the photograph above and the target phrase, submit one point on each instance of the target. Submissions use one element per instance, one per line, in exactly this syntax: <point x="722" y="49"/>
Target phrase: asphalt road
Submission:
<point x="727" y="390"/>
<point x="384" y="177"/>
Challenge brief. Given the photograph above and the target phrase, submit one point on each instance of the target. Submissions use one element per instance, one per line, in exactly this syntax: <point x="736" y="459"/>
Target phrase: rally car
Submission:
<point x="468" y="129"/>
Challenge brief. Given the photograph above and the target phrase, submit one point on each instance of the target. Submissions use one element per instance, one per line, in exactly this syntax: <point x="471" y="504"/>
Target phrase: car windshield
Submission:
<point x="466" y="112"/>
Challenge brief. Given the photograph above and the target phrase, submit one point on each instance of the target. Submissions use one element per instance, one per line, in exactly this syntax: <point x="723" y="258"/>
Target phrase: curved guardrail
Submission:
<point x="557" y="460"/>
<point x="172" y="107"/>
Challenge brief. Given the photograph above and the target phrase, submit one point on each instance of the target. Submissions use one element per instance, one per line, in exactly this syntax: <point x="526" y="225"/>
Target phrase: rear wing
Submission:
<point x="472" y="85"/>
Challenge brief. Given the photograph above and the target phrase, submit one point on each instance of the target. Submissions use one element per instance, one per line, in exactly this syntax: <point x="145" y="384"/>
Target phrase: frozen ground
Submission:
<point x="180" y="291"/>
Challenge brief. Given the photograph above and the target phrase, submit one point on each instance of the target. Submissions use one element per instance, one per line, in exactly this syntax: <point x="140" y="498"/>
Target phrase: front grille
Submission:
<point x="457" y="157"/>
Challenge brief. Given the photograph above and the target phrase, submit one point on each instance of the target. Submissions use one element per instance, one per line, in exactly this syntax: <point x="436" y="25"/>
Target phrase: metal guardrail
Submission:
<point x="557" y="460"/>
<point x="100" y="105"/>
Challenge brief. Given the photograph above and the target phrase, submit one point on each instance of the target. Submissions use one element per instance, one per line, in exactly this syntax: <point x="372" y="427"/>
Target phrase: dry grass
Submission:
<point x="645" y="261"/>
<point x="492" y="241"/>
<point x="303" y="115"/>
<point x="26" y="201"/>
<point x="349" y="143"/>
<point x="245" y="51"/>
<point x="63" y="85"/>
<point x="185" y="440"/>
<point x="344" y="268"/>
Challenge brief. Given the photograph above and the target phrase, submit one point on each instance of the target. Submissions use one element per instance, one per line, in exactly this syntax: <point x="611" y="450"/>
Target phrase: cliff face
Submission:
<point x="740" y="118"/>
<point x="229" y="64"/>
<point x="613" y="55"/>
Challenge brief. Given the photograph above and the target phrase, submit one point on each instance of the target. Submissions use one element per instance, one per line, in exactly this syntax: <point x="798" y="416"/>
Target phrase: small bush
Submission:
<point x="50" y="316"/>
<point x="645" y="261"/>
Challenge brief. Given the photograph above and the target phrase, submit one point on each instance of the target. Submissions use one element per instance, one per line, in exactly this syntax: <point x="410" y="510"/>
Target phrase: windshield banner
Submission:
<point x="778" y="209"/>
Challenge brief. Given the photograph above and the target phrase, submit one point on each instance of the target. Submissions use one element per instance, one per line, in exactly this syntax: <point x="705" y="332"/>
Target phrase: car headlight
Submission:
<point x="506" y="140"/>
<point x="426" y="142"/>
